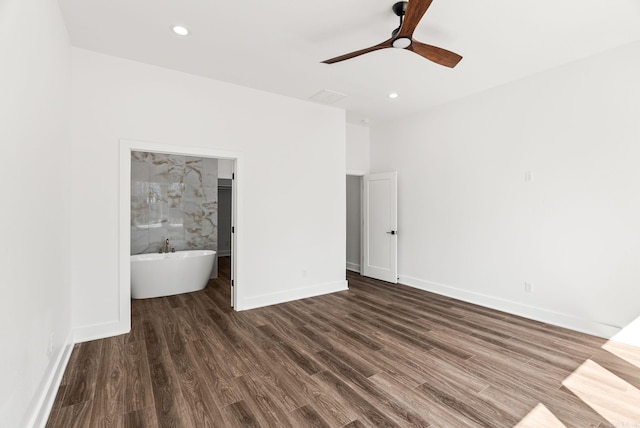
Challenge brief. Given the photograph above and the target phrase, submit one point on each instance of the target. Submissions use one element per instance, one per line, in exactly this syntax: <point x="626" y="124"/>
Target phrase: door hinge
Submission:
<point x="233" y="175"/>
<point x="233" y="229"/>
<point x="232" y="282"/>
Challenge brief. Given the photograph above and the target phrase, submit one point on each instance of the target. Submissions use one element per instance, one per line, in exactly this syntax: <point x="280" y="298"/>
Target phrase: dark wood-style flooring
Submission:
<point x="376" y="355"/>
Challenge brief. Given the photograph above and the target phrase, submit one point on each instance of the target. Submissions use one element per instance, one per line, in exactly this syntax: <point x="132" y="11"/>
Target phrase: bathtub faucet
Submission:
<point x="166" y="246"/>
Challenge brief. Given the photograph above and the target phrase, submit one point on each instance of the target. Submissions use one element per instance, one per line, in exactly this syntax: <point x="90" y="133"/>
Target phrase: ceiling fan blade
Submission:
<point x="414" y="13"/>
<point x="383" y="45"/>
<point x="435" y="54"/>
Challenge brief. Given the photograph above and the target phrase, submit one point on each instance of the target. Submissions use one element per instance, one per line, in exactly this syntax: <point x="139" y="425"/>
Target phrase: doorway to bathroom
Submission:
<point x="192" y="200"/>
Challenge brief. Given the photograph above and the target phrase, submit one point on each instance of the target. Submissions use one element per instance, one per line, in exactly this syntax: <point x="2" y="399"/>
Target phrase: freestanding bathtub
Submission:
<point x="156" y="275"/>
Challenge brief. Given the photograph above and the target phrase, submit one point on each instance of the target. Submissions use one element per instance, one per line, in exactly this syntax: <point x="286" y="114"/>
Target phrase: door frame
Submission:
<point x="124" y="248"/>
<point x="360" y="175"/>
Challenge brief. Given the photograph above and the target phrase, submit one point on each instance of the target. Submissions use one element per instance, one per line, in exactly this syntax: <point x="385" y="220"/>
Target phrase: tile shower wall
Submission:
<point x="174" y="197"/>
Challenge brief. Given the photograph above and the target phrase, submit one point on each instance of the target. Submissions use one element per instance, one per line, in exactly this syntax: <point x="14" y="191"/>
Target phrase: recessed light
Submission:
<point x="180" y="30"/>
<point x="393" y="95"/>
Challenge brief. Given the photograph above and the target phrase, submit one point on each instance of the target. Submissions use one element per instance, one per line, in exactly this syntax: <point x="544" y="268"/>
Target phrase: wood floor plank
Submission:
<point x="355" y="400"/>
<point x="467" y="405"/>
<point x="340" y="351"/>
<point x="82" y="380"/>
<point x="297" y="313"/>
<point x="355" y="424"/>
<point x="339" y="325"/>
<point x="438" y="416"/>
<point x="238" y="414"/>
<point x="196" y="395"/>
<point x="375" y="355"/>
<point x="142" y="418"/>
<point x="264" y="407"/>
<point x="169" y="402"/>
<point x="304" y="361"/>
<point x="306" y="416"/>
<point x="165" y="391"/>
<point x="403" y="334"/>
<point x="572" y="411"/>
<point x="480" y="346"/>
<point x="332" y="407"/>
<point x="393" y="408"/>
<point x="75" y="415"/>
<point x="215" y="373"/>
<point x="108" y="404"/>
<point x="510" y="402"/>
<point x="285" y="328"/>
<point x="138" y="393"/>
<point x="620" y="367"/>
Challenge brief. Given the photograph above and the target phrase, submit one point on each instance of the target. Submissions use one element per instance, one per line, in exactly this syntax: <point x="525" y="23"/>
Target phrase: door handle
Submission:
<point x="392" y="232"/>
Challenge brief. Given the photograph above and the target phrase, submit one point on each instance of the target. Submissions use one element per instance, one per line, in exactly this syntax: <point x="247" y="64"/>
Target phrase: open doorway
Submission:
<point x="354" y="222"/>
<point x="372" y="235"/>
<point x="127" y="147"/>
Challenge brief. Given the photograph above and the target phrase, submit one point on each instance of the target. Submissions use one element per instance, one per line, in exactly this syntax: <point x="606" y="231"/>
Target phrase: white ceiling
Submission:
<point x="277" y="45"/>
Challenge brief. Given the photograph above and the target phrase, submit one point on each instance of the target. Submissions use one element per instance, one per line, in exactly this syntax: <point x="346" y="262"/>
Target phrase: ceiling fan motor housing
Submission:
<point x="400" y="8"/>
<point x="401" y="42"/>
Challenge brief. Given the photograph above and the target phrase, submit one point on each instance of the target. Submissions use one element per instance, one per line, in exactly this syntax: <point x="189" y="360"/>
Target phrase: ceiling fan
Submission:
<point x="410" y="14"/>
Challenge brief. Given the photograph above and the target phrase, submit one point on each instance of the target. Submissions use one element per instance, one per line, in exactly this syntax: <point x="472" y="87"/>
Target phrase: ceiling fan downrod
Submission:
<point x="399" y="9"/>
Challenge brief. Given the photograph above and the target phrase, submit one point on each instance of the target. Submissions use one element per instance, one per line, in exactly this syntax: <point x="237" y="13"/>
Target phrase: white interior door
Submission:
<point x="379" y="232"/>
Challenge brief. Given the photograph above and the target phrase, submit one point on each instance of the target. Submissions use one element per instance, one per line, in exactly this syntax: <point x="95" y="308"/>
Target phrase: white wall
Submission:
<point x="474" y="229"/>
<point x="358" y="164"/>
<point x="35" y="80"/>
<point x="292" y="241"/>
<point x="358" y="151"/>
<point x="354" y="219"/>
<point x="225" y="168"/>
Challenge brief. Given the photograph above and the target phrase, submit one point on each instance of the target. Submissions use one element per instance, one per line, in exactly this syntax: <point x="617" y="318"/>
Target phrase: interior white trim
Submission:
<point x="543" y="315"/>
<point x="100" y="331"/>
<point x="51" y="383"/>
<point x="290" y="295"/>
<point x="355" y="172"/>
<point x="354" y="267"/>
<point x="126" y="147"/>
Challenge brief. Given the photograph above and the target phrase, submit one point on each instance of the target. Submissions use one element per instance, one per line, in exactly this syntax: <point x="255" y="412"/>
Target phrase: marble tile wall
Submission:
<point x="174" y="197"/>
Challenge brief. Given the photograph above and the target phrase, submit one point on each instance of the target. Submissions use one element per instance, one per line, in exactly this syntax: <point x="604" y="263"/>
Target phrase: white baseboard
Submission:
<point x="100" y="331"/>
<point x="354" y="267"/>
<point x="51" y="383"/>
<point x="289" y="295"/>
<point x="539" y="314"/>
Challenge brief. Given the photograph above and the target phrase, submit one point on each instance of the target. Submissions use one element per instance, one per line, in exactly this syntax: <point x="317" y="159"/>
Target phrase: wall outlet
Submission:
<point x="528" y="176"/>
<point x="50" y="347"/>
<point x="528" y="287"/>
<point x="304" y="273"/>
